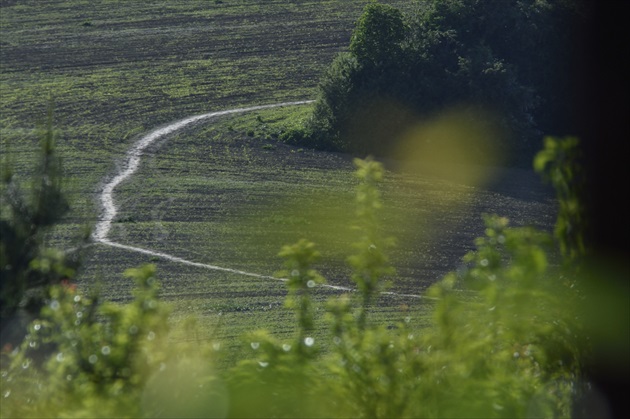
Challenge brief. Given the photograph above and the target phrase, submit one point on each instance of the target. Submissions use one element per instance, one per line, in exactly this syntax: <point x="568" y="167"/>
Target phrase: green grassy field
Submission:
<point x="117" y="69"/>
<point x="222" y="192"/>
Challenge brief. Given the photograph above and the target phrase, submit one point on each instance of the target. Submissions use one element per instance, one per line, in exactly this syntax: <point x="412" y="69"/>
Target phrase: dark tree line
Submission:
<point x="515" y="58"/>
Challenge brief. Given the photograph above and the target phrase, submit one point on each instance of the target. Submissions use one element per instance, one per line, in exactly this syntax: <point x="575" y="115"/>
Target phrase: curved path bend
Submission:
<point x="131" y="165"/>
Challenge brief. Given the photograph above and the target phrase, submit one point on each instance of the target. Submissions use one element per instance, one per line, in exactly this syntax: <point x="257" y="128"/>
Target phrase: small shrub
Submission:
<point x="80" y="354"/>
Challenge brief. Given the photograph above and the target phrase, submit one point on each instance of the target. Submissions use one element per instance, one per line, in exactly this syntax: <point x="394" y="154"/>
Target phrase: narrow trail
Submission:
<point x="101" y="231"/>
<point x="131" y="165"/>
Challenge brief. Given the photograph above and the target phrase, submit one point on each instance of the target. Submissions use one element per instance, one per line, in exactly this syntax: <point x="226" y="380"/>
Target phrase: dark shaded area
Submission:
<point x="604" y="126"/>
<point x="516" y="60"/>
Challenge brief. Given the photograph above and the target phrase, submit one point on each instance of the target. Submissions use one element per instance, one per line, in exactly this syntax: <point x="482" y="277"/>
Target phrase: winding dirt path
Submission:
<point x="131" y="165"/>
<point x="101" y="231"/>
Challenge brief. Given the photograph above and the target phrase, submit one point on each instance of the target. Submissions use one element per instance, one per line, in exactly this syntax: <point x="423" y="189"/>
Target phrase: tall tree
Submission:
<point x="510" y="57"/>
<point x="27" y="267"/>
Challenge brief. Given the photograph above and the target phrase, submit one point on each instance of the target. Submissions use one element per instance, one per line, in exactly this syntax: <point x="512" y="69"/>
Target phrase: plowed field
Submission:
<point x="215" y="193"/>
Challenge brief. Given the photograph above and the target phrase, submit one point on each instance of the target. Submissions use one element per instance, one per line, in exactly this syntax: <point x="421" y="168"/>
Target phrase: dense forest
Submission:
<point x="516" y="60"/>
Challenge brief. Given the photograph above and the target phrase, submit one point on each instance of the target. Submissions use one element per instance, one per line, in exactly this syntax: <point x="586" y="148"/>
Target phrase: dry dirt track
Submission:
<point x="446" y="232"/>
<point x="135" y="154"/>
<point x="133" y="160"/>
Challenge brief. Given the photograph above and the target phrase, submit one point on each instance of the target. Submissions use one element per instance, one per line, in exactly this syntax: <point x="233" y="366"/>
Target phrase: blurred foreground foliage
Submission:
<point x="506" y="339"/>
<point x="29" y="211"/>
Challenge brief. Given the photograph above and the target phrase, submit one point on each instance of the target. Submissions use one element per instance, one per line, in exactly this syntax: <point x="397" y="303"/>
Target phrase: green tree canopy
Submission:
<point x="513" y="58"/>
<point x="27" y="267"/>
<point x="378" y="36"/>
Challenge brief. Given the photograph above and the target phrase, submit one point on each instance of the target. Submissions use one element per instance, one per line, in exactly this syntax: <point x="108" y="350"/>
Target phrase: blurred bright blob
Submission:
<point x="461" y="144"/>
